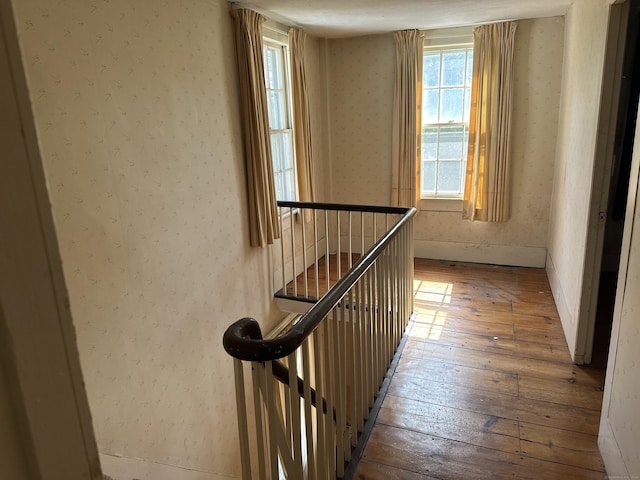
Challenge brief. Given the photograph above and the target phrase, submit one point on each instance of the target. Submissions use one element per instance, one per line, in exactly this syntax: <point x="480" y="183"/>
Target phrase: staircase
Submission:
<point x="305" y="391"/>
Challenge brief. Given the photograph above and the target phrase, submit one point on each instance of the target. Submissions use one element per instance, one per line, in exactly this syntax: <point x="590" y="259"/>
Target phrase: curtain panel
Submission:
<point x="407" y="112"/>
<point x="301" y="117"/>
<point x="486" y="190"/>
<point x="264" y="227"/>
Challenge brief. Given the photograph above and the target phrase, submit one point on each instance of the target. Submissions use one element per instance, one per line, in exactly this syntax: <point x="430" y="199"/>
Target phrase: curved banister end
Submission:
<point x="243" y="340"/>
<point x="240" y="335"/>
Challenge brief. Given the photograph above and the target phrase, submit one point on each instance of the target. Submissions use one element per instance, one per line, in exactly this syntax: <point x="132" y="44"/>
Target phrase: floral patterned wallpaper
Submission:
<point x="137" y="111"/>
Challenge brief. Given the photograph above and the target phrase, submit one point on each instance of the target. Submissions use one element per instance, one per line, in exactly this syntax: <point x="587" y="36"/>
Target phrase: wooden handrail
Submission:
<point x="244" y="340"/>
<point x="346" y="207"/>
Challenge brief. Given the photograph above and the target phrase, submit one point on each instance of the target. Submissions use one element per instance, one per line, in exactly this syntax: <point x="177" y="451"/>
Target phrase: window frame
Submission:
<point x="276" y="40"/>
<point x="441" y="41"/>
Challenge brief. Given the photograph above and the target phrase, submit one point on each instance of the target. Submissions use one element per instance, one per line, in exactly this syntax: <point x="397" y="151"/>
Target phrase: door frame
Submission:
<point x="607" y="443"/>
<point x="600" y="186"/>
<point x="38" y="349"/>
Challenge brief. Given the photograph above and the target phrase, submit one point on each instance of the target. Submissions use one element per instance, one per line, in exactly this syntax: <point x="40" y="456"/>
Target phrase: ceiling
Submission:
<point x="347" y="18"/>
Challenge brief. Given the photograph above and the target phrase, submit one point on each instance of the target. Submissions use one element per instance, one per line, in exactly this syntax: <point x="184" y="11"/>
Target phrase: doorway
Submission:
<point x="618" y="189"/>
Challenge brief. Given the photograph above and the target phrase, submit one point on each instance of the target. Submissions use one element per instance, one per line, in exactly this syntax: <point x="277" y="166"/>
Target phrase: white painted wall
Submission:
<point x="360" y="97"/>
<point x="585" y="39"/>
<point x="620" y="423"/>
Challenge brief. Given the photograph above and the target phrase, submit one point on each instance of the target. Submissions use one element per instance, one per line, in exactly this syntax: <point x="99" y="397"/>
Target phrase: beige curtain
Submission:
<point x="407" y="111"/>
<point x="486" y="189"/>
<point x="263" y="216"/>
<point x="301" y="119"/>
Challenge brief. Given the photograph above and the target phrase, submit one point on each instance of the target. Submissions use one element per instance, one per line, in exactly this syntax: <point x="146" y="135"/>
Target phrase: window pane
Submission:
<point x="449" y="177"/>
<point x="267" y="67"/>
<point x="273" y="64"/>
<point x="272" y="67"/>
<point x="276" y="152"/>
<point x="451" y="107"/>
<point x="447" y="76"/>
<point x="430" y="106"/>
<point x="429" y="143"/>
<point x="431" y="70"/>
<point x="277" y="180"/>
<point x="288" y="185"/>
<point x="451" y="140"/>
<point x="453" y="63"/>
<point x="283" y="165"/>
<point x="465" y="144"/>
<point x="287" y="155"/>
<point x="276" y="107"/>
<point x="279" y="122"/>
<point x="429" y="177"/>
<point x="467" y="104"/>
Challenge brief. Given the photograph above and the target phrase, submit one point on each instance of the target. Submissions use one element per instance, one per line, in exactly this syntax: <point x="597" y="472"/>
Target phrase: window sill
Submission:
<point x="441" y="204"/>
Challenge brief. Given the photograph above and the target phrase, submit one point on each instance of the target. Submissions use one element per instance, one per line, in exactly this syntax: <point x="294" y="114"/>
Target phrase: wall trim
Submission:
<point x="610" y="452"/>
<point x="124" y="468"/>
<point x="512" y="255"/>
<point x="567" y="318"/>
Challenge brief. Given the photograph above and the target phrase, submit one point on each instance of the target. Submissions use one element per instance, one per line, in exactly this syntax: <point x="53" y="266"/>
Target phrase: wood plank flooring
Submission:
<point x="485" y="387"/>
<point x="306" y="287"/>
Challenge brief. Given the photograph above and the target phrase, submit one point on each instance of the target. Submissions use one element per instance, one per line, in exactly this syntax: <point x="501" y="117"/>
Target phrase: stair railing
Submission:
<point x="325" y="240"/>
<point x="311" y="388"/>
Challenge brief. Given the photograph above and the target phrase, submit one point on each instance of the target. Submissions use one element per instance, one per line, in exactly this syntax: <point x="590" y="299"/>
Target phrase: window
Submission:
<point x="276" y="61"/>
<point x="446" y="101"/>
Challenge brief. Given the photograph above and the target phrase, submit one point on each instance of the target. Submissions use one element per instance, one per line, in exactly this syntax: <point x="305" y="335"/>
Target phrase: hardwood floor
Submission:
<point x="485" y="387"/>
<point x="335" y="269"/>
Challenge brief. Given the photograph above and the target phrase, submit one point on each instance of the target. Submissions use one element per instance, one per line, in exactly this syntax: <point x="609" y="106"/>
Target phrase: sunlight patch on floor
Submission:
<point x="430" y="309"/>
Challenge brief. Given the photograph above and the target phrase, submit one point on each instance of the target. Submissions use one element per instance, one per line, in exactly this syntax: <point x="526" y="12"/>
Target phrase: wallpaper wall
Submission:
<point x="360" y="96"/>
<point x="537" y="75"/>
<point x="585" y="37"/>
<point x="138" y="117"/>
<point x="137" y="110"/>
<point x="315" y="63"/>
<point x="361" y="92"/>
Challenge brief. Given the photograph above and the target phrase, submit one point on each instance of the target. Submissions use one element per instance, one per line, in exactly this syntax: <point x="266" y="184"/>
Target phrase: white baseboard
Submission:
<point x="517" y="256"/>
<point x="567" y="317"/>
<point x="123" y="468"/>
<point x="610" y="452"/>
